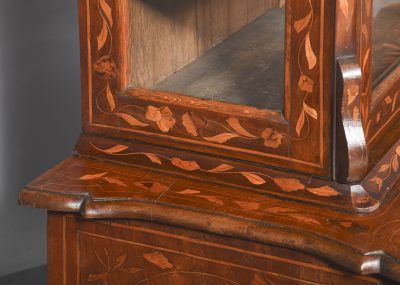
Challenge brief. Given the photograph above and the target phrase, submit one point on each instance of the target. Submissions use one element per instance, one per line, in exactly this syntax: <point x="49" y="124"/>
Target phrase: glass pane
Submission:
<point x="386" y="38"/>
<point x="231" y="51"/>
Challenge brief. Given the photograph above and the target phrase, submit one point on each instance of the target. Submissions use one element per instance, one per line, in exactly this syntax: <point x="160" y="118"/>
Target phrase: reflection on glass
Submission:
<point x="386" y="38"/>
<point x="231" y="51"/>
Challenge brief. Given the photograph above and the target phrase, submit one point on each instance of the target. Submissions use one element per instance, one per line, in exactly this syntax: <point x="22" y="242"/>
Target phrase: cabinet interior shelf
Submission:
<point x="246" y="68"/>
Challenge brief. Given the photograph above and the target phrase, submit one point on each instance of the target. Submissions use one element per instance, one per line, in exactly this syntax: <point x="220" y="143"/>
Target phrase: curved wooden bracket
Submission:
<point x="351" y="146"/>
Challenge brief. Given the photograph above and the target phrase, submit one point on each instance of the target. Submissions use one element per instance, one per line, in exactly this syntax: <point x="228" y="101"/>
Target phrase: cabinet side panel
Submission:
<point x="55" y="249"/>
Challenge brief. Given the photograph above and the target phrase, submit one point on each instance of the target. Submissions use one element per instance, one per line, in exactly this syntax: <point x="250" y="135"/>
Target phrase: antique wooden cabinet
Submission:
<point x="231" y="142"/>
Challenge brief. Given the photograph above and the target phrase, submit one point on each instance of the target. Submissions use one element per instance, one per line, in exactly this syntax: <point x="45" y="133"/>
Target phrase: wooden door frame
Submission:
<point x="298" y="138"/>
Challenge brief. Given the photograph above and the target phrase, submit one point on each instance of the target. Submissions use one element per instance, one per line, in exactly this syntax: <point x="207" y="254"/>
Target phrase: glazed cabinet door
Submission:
<point x="368" y="84"/>
<point x="245" y="79"/>
<point x="381" y="55"/>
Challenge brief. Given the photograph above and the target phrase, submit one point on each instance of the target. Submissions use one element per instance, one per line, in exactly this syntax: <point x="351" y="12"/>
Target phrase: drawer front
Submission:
<point x="133" y="252"/>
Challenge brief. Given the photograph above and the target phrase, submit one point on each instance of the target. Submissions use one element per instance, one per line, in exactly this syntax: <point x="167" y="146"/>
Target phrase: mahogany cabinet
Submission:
<point x="231" y="142"/>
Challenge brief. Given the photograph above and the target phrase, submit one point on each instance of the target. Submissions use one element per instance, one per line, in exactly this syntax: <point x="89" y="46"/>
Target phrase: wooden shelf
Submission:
<point x="247" y="68"/>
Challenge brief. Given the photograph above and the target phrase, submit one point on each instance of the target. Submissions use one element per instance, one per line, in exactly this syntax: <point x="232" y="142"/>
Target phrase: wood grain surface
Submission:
<point x="135" y="252"/>
<point x="364" y="243"/>
<point x="115" y="107"/>
<point x="165" y="188"/>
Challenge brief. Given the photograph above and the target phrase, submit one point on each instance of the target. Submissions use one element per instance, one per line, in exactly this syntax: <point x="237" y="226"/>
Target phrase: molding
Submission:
<point x="365" y="196"/>
<point x="365" y="244"/>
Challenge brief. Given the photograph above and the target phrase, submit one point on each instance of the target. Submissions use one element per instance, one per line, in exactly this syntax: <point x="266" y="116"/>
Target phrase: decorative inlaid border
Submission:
<point x="376" y="116"/>
<point x="260" y="219"/>
<point x="365" y="50"/>
<point x="361" y="197"/>
<point x="285" y="184"/>
<point x="387" y="170"/>
<point x="225" y="132"/>
<point x="158" y="262"/>
<point x="164" y="118"/>
<point x="384" y="113"/>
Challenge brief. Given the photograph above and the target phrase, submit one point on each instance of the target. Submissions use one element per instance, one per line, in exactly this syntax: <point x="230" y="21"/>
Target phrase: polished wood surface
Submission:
<point x="114" y="106"/>
<point x="363" y="243"/>
<point x="167" y="188"/>
<point x="168" y="34"/>
<point x="236" y="71"/>
<point x="352" y="166"/>
<point x="135" y="252"/>
<point x="364" y="196"/>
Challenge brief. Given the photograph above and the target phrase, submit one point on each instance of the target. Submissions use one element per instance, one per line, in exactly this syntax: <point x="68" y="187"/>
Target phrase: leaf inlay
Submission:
<point x="310" y="55"/>
<point x="254" y="178"/>
<point x="157" y="258"/>
<point x="102" y="37"/>
<point x="131" y="120"/>
<point x="93" y="176"/>
<point x="235" y="124"/>
<point x="325" y="191"/>
<point x="301" y="24"/>
<point x="289" y="184"/>
<point x="221" y="138"/>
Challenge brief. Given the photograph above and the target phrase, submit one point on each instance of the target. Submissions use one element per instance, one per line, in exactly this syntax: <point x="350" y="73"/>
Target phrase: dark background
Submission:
<point x="39" y="117"/>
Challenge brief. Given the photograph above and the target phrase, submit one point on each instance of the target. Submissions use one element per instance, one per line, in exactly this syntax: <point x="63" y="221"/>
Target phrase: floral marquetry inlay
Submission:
<point x="163" y="118"/>
<point x="268" y="134"/>
<point x="377" y="113"/>
<point x="157" y="268"/>
<point x="387" y="170"/>
<point x="306" y="84"/>
<point x="118" y="265"/>
<point x="365" y="61"/>
<point x="255" y="178"/>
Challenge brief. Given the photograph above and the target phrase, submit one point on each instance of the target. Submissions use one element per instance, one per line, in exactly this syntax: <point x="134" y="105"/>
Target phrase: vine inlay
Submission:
<point x="164" y="119"/>
<point x="255" y="178"/>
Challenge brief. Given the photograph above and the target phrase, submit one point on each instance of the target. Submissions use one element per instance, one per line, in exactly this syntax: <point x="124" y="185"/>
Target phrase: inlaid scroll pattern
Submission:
<point x="255" y="206"/>
<point x="366" y="54"/>
<point x="132" y="186"/>
<point x="157" y="259"/>
<point x="98" y="178"/>
<point x="164" y="119"/>
<point x="255" y="178"/>
<point x="374" y="120"/>
<point x="306" y="84"/>
<point x="109" y="267"/>
<point x="387" y="170"/>
<point x="103" y="176"/>
<point x="388" y="107"/>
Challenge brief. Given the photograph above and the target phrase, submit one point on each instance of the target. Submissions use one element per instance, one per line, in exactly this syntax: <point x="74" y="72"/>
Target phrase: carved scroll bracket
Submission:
<point x="351" y="150"/>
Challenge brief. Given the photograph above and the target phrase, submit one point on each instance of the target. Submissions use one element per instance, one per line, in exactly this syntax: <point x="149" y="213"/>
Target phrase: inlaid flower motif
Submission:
<point x="272" y="138"/>
<point x="306" y="84"/>
<point x="162" y="116"/>
<point x="106" y="68"/>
